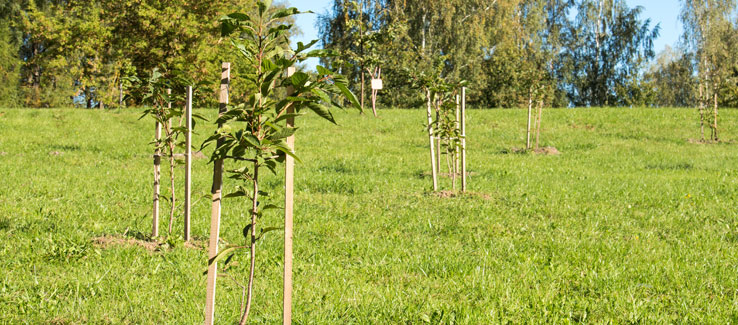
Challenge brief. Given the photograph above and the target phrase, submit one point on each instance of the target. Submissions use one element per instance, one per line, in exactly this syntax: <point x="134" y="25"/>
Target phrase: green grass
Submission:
<point x="632" y="223"/>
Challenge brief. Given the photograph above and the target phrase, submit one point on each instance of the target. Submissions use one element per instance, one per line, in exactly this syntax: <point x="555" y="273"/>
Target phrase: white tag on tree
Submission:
<point x="376" y="84"/>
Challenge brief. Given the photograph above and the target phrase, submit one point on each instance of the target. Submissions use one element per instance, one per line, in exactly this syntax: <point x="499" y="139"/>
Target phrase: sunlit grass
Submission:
<point x="631" y="223"/>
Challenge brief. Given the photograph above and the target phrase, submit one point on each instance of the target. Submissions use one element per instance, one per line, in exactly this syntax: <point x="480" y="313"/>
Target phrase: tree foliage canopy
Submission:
<point x="566" y="52"/>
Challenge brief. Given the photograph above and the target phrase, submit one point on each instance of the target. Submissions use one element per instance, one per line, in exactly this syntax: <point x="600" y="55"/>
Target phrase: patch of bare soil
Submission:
<point x="448" y="175"/>
<point x="549" y="151"/>
<point x="55" y="153"/>
<point x="196" y="244"/>
<point x="587" y="127"/>
<point x="515" y="150"/>
<point x="700" y="141"/>
<point x="108" y="241"/>
<point x="3" y="153"/>
<point x="452" y="194"/>
<point x="541" y="151"/>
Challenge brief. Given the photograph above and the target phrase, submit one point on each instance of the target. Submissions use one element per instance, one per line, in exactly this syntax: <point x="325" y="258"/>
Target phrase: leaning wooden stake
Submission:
<point x="215" y="212"/>
<point x="429" y="114"/>
<point x="157" y="181"/>
<point x="463" y="139"/>
<point x="188" y="165"/>
<point x="289" y="188"/>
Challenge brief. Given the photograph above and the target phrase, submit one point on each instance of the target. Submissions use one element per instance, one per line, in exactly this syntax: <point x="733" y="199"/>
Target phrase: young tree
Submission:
<point x="166" y="109"/>
<point x="356" y="31"/>
<point x="252" y="134"/>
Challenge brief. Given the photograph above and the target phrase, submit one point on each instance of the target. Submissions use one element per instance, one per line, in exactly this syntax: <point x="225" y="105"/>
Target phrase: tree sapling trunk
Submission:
<point x="252" y="246"/>
<point x="429" y="115"/>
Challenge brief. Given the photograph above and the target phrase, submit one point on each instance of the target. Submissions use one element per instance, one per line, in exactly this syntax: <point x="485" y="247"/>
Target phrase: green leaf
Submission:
<point x="222" y="254"/>
<point x="251" y="140"/>
<point x="322" y="111"/>
<point x="299" y="79"/>
<point x="321" y="94"/>
<point x="323" y="71"/>
<point x="281" y="146"/>
<point x="264" y="6"/>
<point x="270" y="207"/>
<point x="239" y="16"/>
<point x="286" y="12"/>
<point x="288" y="115"/>
<point x="227" y="26"/>
<point x="321" y="53"/>
<point x="349" y="95"/>
<point x="248" y="54"/>
<point x="279" y="30"/>
<point x="238" y="193"/>
<point x="302" y="47"/>
<point x="266" y="230"/>
<point x="283" y="133"/>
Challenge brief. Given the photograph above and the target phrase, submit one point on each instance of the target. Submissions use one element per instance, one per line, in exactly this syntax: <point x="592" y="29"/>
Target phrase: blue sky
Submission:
<point x="664" y="12"/>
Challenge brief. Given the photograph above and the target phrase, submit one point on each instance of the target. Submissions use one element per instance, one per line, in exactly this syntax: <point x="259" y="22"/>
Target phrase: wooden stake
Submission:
<point x="715" y="118"/>
<point x="438" y="139"/>
<point x="289" y="188"/>
<point x="188" y="165"/>
<point x="463" y="139"/>
<point x="430" y="138"/>
<point x="530" y="107"/>
<point x="157" y="181"/>
<point x="538" y="121"/>
<point x="215" y="212"/>
<point x="438" y="154"/>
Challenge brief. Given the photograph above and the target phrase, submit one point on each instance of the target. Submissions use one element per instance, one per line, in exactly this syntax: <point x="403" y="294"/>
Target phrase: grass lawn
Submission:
<point x="631" y="223"/>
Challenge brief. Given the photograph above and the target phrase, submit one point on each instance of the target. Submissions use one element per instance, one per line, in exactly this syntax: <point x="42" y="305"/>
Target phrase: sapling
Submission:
<point x="157" y="94"/>
<point x="447" y="126"/>
<point x="440" y="98"/>
<point x="253" y="132"/>
<point x="538" y="122"/>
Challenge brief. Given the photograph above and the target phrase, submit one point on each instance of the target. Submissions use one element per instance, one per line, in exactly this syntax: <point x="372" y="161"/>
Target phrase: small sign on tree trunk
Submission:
<point x="377" y="84"/>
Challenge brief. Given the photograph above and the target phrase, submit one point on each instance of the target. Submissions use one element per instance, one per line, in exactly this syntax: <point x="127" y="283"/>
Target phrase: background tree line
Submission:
<point x="562" y="52"/>
<point x="55" y="51"/>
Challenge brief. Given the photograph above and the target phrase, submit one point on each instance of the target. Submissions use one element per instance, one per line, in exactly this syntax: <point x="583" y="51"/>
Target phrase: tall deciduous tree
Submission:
<point x="608" y="45"/>
<point x="670" y="81"/>
<point x="708" y="27"/>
